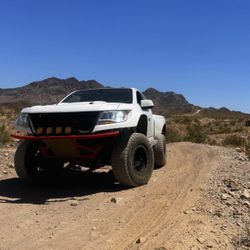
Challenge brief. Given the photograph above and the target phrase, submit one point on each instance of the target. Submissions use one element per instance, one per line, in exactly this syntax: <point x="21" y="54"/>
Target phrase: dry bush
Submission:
<point x="173" y="135"/>
<point x="200" y="129"/>
<point x="196" y="133"/>
<point x="211" y="141"/>
<point x="247" y="147"/>
<point x="243" y="241"/>
<point x="234" y="141"/>
<point x="233" y="123"/>
<point x="4" y="135"/>
<point x="237" y="129"/>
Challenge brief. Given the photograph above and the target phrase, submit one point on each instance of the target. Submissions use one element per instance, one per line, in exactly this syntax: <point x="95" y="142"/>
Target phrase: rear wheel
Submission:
<point x="160" y="152"/>
<point x="133" y="160"/>
<point x="32" y="167"/>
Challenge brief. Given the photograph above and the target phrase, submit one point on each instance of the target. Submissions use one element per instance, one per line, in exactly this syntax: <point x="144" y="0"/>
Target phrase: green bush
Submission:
<point x="4" y="135"/>
<point x="196" y="134"/>
<point x="173" y="135"/>
<point x="234" y="140"/>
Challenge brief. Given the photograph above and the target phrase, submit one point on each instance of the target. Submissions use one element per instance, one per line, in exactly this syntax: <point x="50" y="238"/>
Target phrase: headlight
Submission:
<point x="22" y="122"/>
<point x="108" y="117"/>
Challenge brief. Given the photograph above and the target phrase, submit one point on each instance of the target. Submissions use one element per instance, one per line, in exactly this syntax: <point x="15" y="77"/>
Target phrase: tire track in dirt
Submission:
<point x="154" y="211"/>
<point x="188" y="169"/>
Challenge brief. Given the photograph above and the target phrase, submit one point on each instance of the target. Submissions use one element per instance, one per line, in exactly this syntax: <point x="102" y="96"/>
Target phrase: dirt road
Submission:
<point x="90" y="211"/>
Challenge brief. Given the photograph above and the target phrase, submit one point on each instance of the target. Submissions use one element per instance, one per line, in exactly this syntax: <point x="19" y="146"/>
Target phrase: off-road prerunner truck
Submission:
<point x="91" y="128"/>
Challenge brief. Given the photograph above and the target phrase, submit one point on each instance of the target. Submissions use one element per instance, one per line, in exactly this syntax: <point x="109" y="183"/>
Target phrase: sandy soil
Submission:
<point x="177" y="209"/>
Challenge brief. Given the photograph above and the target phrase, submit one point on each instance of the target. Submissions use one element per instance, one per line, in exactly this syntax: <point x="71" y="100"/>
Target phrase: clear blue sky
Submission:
<point x="200" y="48"/>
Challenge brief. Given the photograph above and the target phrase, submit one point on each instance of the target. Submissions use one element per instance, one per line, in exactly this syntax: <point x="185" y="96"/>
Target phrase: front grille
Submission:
<point x="78" y="122"/>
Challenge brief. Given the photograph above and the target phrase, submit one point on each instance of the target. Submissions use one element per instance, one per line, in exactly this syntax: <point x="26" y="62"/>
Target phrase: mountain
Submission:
<point x="47" y="91"/>
<point x="168" y="102"/>
<point x="53" y="89"/>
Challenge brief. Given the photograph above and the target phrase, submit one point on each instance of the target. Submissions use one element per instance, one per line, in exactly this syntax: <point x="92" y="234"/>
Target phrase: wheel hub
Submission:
<point x="140" y="158"/>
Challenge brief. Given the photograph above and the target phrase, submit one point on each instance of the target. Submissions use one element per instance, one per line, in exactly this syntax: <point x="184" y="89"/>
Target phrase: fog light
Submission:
<point x="58" y="130"/>
<point x="68" y="130"/>
<point x="49" y="130"/>
<point x="39" y="130"/>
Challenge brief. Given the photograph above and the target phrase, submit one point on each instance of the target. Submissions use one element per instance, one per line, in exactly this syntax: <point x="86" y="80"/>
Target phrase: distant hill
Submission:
<point x="47" y="91"/>
<point x="53" y="89"/>
<point x="168" y="102"/>
<point x="222" y="113"/>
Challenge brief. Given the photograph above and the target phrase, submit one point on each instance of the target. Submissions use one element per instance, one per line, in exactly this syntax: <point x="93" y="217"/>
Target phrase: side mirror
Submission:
<point x="147" y="104"/>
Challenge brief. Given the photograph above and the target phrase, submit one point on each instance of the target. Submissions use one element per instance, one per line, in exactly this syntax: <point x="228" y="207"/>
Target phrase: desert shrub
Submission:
<point x="216" y="127"/>
<point x="243" y="241"/>
<point x="196" y="121"/>
<point x="173" y="135"/>
<point x="238" y="129"/>
<point x="4" y="135"/>
<point x="196" y="134"/>
<point x="233" y="123"/>
<point x="182" y="120"/>
<point x="217" y="123"/>
<point x="211" y="141"/>
<point x="186" y="120"/>
<point x="247" y="147"/>
<point x="9" y="115"/>
<point x="223" y="128"/>
<point x="210" y="128"/>
<point x="234" y="140"/>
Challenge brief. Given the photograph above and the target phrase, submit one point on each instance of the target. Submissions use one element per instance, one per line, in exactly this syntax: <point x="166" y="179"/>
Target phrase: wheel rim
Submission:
<point x="140" y="159"/>
<point x="37" y="165"/>
<point x="35" y="160"/>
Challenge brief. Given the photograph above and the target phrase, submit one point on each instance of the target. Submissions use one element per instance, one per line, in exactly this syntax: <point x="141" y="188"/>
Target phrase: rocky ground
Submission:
<point x="199" y="200"/>
<point x="226" y="202"/>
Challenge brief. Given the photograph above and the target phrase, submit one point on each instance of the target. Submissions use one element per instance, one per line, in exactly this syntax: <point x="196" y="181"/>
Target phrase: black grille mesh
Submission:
<point x="79" y="122"/>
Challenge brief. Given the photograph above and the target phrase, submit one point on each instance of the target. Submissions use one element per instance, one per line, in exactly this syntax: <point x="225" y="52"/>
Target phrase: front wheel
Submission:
<point x="32" y="167"/>
<point x="133" y="160"/>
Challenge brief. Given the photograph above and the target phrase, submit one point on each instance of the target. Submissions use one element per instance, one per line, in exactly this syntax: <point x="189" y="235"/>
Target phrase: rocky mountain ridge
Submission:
<point x="47" y="91"/>
<point x="52" y="90"/>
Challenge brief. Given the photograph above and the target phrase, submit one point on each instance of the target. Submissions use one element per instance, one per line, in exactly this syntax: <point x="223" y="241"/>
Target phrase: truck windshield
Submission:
<point x="106" y="95"/>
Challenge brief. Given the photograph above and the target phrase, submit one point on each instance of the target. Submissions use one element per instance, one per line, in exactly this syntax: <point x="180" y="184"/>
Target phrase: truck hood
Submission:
<point x="72" y="107"/>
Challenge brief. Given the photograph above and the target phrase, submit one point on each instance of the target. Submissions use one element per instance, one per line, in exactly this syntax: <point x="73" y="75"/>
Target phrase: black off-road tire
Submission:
<point x="31" y="167"/>
<point x="160" y="152"/>
<point x="133" y="160"/>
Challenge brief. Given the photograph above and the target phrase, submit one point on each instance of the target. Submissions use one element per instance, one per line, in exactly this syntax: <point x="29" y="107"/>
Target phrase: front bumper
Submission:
<point x="74" y="148"/>
<point x="63" y="137"/>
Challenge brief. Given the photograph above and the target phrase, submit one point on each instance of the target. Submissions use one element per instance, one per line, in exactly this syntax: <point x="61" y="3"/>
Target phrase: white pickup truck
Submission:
<point x="91" y="128"/>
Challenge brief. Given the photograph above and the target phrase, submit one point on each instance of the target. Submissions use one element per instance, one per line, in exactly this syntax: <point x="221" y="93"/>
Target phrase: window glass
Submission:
<point x="139" y="97"/>
<point x="106" y="95"/>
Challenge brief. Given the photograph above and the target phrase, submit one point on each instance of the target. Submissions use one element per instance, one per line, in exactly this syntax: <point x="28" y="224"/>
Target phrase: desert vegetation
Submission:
<point x="7" y="119"/>
<point x="229" y="132"/>
<point x="243" y="241"/>
<point x="4" y="135"/>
